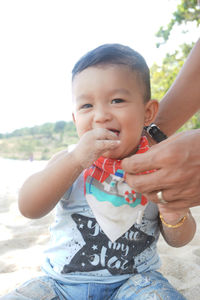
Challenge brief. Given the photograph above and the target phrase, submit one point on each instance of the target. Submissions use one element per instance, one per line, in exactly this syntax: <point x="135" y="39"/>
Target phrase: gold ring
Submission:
<point x="160" y="198"/>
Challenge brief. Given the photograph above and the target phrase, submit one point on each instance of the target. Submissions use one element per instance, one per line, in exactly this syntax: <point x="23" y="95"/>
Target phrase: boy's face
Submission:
<point x="111" y="97"/>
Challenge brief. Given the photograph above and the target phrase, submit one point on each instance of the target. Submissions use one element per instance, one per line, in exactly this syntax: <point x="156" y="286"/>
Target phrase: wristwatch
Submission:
<point x="154" y="131"/>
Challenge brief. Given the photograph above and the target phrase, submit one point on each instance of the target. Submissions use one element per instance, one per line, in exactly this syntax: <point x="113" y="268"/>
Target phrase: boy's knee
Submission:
<point x="150" y="285"/>
<point x="41" y="288"/>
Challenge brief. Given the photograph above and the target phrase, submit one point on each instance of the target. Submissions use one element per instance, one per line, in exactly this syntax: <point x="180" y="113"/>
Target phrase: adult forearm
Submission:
<point x="183" y="98"/>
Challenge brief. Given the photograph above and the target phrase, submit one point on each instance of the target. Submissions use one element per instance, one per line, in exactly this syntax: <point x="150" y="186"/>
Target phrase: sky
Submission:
<point x="41" y="40"/>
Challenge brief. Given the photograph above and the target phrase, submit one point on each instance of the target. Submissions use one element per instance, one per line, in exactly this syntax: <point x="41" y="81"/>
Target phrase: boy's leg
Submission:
<point x="40" y="288"/>
<point x="148" y="286"/>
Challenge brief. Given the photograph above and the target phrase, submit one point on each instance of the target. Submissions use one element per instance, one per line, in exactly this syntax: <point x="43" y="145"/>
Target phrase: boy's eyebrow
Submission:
<point x="112" y="92"/>
<point x="83" y="97"/>
<point x="120" y="91"/>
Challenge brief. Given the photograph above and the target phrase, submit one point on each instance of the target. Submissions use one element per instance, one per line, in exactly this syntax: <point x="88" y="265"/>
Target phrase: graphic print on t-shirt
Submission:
<point x="100" y="253"/>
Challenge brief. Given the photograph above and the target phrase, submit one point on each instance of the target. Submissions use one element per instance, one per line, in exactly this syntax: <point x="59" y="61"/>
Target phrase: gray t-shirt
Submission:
<point x="80" y="252"/>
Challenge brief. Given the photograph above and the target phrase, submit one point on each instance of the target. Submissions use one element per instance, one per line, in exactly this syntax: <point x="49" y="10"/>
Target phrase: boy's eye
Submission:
<point x="118" y="100"/>
<point x="87" y="105"/>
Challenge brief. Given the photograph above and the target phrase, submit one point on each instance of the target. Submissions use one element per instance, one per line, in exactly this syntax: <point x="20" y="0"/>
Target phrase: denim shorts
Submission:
<point x="146" y="286"/>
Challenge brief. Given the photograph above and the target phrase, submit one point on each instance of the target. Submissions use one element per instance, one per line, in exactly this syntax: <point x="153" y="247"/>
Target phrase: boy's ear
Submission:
<point x="73" y="117"/>
<point x="151" y="110"/>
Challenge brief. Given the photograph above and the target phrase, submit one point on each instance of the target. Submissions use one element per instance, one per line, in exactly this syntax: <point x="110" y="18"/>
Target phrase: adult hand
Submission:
<point x="177" y="175"/>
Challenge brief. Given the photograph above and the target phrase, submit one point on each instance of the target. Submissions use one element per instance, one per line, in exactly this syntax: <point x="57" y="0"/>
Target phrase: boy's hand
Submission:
<point x="93" y="144"/>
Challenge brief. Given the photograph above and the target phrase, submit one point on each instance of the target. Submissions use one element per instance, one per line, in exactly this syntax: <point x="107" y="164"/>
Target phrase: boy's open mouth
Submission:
<point x="117" y="132"/>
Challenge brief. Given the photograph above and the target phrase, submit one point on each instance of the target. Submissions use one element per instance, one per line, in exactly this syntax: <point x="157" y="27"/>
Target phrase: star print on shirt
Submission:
<point x="100" y="253"/>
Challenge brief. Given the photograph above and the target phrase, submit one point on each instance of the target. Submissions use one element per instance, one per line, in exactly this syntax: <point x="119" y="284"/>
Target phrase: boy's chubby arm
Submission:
<point x="42" y="190"/>
<point x="182" y="235"/>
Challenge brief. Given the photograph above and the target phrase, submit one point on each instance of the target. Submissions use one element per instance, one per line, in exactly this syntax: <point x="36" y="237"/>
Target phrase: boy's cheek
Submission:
<point x="80" y="128"/>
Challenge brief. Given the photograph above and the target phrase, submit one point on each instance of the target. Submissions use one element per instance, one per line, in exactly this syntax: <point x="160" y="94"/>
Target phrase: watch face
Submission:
<point x="156" y="133"/>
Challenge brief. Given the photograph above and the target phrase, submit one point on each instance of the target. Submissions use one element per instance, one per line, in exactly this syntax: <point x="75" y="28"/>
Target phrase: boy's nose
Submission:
<point x="102" y="114"/>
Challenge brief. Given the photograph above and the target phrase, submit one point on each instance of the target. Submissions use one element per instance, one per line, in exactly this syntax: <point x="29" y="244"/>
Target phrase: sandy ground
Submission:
<point x="22" y="241"/>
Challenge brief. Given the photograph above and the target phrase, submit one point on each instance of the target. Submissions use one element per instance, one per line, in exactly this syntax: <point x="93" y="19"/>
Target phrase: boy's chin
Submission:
<point x="116" y="155"/>
<point x="112" y="155"/>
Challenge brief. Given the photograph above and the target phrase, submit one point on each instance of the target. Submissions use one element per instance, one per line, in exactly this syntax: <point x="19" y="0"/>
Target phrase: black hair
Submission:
<point x="116" y="54"/>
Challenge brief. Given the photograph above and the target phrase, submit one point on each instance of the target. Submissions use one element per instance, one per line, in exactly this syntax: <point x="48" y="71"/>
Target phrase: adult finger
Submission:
<point x="148" y="182"/>
<point x="175" y="198"/>
<point x="165" y="194"/>
<point x="141" y="162"/>
<point x="159" y="155"/>
<point x="180" y="204"/>
<point x="177" y="204"/>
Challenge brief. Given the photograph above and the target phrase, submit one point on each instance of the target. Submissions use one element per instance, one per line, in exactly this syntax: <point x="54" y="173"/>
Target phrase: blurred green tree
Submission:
<point x="162" y="76"/>
<point x="187" y="11"/>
